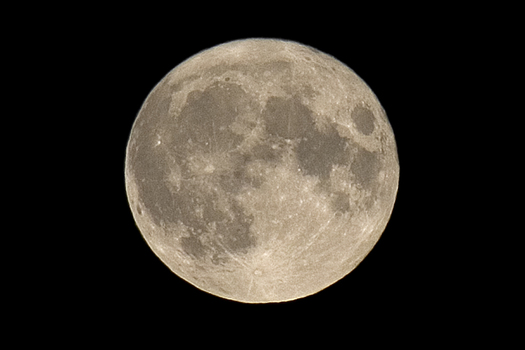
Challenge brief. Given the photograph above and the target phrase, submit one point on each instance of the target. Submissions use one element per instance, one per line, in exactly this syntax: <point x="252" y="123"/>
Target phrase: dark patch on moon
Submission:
<point x="150" y="173"/>
<point x="264" y="152"/>
<point x="363" y="119"/>
<point x="193" y="246"/>
<point x="340" y="202"/>
<point x="148" y="166"/>
<point x="287" y="118"/>
<point x="203" y="124"/>
<point x="206" y="119"/>
<point x="319" y="151"/>
<point x="199" y="211"/>
<point x="365" y="167"/>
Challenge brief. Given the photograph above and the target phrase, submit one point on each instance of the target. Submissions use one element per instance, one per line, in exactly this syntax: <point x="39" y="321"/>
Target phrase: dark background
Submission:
<point x="418" y="69"/>
<point x="395" y="276"/>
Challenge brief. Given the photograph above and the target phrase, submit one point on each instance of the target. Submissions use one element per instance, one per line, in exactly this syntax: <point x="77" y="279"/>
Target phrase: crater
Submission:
<point x="363" y="119"/>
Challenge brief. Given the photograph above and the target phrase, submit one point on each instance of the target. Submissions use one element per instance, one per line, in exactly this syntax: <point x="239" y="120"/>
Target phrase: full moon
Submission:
<point x="261" y="170"/>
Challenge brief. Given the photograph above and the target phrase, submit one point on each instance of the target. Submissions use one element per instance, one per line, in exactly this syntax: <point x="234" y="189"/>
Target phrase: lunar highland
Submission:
<point x="261" y="170"/>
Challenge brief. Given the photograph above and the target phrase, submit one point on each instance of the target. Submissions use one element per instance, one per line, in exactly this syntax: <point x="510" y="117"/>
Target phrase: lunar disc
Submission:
<point x="261" y="170"/>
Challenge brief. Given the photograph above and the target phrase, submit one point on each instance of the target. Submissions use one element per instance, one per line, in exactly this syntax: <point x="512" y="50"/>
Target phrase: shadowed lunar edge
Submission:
<point x="204" y="127"/>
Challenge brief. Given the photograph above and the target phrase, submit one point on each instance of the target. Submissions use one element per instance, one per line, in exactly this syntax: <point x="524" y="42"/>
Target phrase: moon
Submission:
<point x="261" y="170"/>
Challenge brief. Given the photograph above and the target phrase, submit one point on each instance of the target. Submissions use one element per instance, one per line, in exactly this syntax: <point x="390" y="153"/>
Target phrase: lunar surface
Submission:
<point x="261" y="170"/>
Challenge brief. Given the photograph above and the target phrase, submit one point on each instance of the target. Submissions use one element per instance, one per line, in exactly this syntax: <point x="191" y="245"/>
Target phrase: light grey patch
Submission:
<point x="319" y="151"/>
<point x="150" y="118"/>
<point x="287" y="118"/>
<point x="370" y="201"/>
<point x="238" y="178"/>
<point x="236" y="235"/>
<point x="308" y="92"/>
<point x="196" y="208"/>
<point x="147" y="163"/>
<point x="220" y="69"/>
<point x="363" y="119"/>
<point x="365" y="167"/>
<point x="261" y="153"/>
<point x="156" y="108"/>
<point x="231" y="182"/>
<point x="275" y="66"/>
<point x="150" y="173"/>
<point x="384" y="116"/>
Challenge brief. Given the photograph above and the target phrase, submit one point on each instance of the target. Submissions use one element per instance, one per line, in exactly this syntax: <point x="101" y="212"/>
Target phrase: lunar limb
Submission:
<point x="261" y="170"/>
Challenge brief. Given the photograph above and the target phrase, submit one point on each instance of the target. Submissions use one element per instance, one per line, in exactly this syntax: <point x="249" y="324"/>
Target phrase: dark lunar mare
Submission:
<point x="363" y="119"/>
<point x="365" y="167"/>
<point x="317" y="151"/>
<point x="320" y="149"/>
<point x="204" y="126"/>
